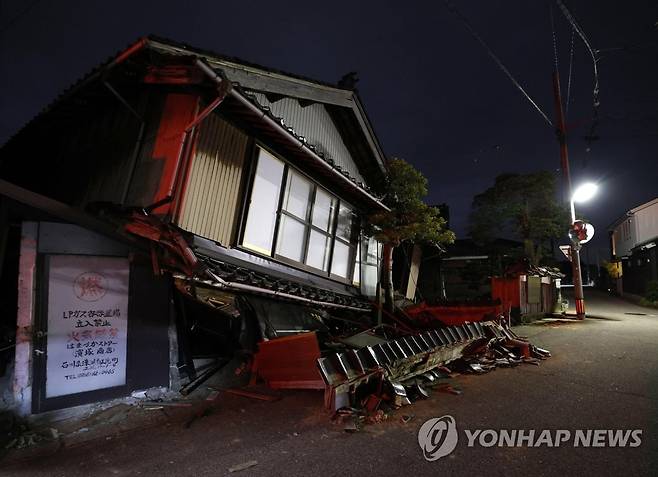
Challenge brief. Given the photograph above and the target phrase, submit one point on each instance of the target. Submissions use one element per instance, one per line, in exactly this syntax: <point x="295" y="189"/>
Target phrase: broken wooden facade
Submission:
<point x="169" y="187"/>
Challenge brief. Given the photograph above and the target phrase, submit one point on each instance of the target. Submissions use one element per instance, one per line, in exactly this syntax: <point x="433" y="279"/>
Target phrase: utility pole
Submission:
<point x="564" y="162"/>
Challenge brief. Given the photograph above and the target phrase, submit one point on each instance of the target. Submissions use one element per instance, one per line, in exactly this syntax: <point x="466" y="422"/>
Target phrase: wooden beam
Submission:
<point x="252" y="77"/>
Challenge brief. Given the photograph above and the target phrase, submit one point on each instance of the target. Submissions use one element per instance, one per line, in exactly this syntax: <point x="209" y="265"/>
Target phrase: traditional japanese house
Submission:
<point x="170" y="186"/>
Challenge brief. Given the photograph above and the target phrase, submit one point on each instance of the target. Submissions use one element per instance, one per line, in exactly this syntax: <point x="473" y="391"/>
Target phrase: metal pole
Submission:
<point x="564" y="161"/>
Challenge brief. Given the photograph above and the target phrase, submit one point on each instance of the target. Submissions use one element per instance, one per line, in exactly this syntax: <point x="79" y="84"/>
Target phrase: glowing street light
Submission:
<point x="583" y="193"/>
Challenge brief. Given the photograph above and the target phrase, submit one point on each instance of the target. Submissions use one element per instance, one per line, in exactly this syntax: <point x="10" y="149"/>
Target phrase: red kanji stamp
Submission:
<point x="90" y="286"/>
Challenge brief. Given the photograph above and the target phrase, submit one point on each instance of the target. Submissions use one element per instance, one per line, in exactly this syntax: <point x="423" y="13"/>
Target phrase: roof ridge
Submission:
<point x="242" y="62"/>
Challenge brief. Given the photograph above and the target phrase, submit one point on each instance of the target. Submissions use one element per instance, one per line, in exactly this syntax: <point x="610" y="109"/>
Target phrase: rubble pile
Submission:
<point x="365" y="383"/>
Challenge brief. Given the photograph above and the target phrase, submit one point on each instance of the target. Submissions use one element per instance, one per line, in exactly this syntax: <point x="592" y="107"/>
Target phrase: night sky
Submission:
<point x="434" y="96"/>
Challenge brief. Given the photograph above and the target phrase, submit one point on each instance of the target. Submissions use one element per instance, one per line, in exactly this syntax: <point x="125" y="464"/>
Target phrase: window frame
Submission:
<point x="307" y="222"/>
<point x="352" y="244"/>
<point x="365" y="258"/>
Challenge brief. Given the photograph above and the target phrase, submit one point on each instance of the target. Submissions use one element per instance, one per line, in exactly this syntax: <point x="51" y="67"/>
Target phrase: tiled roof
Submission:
<point x="233" y="273"/>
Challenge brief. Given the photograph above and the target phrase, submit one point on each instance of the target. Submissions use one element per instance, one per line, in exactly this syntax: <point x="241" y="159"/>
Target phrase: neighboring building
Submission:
<point x="463" y="271"/>
<point x="526" y="291"/>
<point x="470" y="280"/>
<point x="633" y="240"/>
<point x="164" y="203"/>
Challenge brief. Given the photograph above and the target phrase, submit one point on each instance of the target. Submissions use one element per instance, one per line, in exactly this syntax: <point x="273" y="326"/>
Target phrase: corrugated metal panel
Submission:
<point x="211" y="196"/>
<point x="314" y="123"/>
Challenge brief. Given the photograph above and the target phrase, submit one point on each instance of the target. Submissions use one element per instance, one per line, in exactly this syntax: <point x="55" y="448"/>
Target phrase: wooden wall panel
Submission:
<point x="212" y="191"/>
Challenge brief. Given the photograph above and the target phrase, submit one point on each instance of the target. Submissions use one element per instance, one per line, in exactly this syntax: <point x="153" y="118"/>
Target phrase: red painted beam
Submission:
<point x="179" y="110"/>
<point x="176" y="74"/>
<point x="128" y="52"/>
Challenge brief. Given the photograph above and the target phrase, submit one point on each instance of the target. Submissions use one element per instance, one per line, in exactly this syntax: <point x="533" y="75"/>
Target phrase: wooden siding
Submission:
<point x="314" y="123"/>
<point x="211" y="196"/>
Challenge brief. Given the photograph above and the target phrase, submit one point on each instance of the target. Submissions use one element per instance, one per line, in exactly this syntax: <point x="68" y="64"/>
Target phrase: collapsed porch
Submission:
<point x="217" y="308"/>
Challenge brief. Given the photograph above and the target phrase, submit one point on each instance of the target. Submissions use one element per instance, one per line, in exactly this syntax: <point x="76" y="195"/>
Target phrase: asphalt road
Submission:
<point x="603" y="375"/>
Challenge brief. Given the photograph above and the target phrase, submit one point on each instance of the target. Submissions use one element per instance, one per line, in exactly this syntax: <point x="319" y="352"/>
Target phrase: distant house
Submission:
<point x="169" y="185"/>
<point x="633" y="240"/>
<point x="463" y="271"/>
<point x="468" y="281"/>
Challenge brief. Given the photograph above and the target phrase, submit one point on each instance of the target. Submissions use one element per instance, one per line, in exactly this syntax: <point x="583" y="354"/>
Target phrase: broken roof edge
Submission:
<point x="217" y="282"/>
<point x="306" y="88"/>
<point x="372" y="138"/>
<point x="300" y="142"/>
<point x="232" y="61"/>
<point x="155" y="43"/>
<point x="76" y="86"/>
<point x="64" y="212"/>
<point x="265" y="114"/>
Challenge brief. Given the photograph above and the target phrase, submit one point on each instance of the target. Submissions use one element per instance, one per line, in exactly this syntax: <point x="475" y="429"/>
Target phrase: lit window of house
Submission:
<point x="366" y="265"/>
<point x="292" y="219"/>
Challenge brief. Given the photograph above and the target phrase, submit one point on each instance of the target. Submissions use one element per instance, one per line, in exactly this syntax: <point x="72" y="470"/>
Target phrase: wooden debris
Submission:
<point x="243" y="466"/>
<point x="252" y="394"/>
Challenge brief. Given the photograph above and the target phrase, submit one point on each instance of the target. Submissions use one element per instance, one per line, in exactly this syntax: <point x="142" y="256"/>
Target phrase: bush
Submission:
<point x="652" y="291"/>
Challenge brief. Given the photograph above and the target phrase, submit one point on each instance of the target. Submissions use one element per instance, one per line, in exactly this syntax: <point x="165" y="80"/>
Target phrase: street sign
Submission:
<point x="581" y="232"/>
<point x="566" y="250"/>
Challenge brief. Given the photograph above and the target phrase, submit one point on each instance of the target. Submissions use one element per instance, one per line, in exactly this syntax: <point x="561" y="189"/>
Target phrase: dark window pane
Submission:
<point x="344" y="227"/>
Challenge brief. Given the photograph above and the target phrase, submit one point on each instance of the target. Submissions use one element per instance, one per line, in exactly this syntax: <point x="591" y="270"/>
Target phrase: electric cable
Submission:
<point x="459" y="16"/>
<point x="18" y="16"/>
<point x="566" y="113"/>
<point x="591" y="136"/>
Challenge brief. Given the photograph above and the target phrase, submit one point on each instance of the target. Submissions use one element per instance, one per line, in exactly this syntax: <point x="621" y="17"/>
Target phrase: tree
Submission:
<point x="409" y="218"/>
<point x="521" y="206"/>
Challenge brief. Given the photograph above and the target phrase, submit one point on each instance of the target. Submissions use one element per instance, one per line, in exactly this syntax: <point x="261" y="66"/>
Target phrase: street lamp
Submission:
<point x="582" y="193"/>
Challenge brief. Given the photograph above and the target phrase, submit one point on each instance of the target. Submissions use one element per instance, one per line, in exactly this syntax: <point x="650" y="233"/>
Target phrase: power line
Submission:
<point x="493" y="56"/>
<point x="574" y="24"/>
<point x="555" y="55"/>
<point x="550" y="11"/>
<point x="570" y="74"/>
<point x="18" y="16"/>
<point x="626" y="48"/>
<point x="576" y="27"/>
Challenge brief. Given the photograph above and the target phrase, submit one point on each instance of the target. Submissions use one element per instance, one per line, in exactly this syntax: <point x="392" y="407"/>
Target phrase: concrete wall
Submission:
<point x="22" y="381"/>
<point x="149" y="318"/>
<point x="624" y="237"/>
<point x="646" y="222"/>
<point x="639" y="227"/>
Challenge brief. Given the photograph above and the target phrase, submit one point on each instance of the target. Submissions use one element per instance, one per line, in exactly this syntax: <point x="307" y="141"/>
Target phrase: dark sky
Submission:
<point x="435" y="98"/>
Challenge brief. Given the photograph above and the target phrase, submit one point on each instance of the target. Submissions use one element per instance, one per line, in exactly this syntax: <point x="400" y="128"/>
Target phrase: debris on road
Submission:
<point x="407" y="418"/>
<point x="244" y="466"/>
<point x="165" y="403"/>
<point x="252" y="394"/>
<point x="364" y="381"/>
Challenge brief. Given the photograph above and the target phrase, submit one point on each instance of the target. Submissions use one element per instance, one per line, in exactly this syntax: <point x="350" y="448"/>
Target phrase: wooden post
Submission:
<point x="564" y="161"/>
<point x="387" y="276"/>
